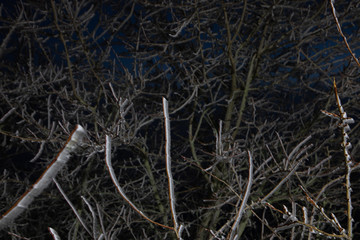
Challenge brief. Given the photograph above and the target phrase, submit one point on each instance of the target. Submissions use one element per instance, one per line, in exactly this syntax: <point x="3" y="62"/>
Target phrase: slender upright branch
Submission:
<point x="245" y="198"/>
<point x="346" y="145"/>
<point x="168" y="166"/>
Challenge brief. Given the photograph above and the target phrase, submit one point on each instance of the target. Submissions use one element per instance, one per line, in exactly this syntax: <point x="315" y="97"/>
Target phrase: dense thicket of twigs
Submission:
<point x="239" y="76"/>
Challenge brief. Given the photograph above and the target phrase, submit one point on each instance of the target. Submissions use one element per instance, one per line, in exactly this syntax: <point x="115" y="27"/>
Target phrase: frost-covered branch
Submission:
<point x="168" y="168"/>
<point x="346" y="145"/>
<point x="75" y="138"/>
<point x="245" y="198"/>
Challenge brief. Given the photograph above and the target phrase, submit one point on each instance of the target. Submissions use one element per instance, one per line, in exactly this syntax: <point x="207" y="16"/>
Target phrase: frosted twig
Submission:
<point x="7" y="115"/>
<point x="10" y="33"/>
<point x="322" y="211"/>
<point x="345" y="128"/>
<point x="54" y="234"/>
<point x="263" y="200"/>
<point x="295" y="150"/>
<point x="41" y="149"/>
<point x="195" y="93"/>
<point x="295" y="222"/>
<point x="113" y="93"/>
<point x="305" y="220"/>
<point x="183" y="25"/>
<point x="93" y="214"/>
<point x="101" y="222"/>
<point x="72" y="206"/>
<point x="219" y="144"/>
<point x="49" y="110"/>
<point x="244" y="201"/>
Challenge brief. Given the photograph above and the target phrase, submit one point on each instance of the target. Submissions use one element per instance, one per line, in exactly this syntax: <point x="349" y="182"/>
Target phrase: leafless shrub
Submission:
<point x="245" y="81"/>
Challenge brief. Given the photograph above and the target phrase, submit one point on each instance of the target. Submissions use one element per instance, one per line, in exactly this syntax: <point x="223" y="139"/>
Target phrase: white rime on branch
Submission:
<point x="75" y="138"/>
<point x="245" y="198"/>
<point x="72" y="206"/>
<point x="346" y="145"/>
<point x="168" y="168"/>
<point x="54" y="234"/>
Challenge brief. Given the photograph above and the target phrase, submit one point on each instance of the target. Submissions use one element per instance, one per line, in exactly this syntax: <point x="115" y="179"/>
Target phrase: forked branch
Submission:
<point x="118" y="187"/>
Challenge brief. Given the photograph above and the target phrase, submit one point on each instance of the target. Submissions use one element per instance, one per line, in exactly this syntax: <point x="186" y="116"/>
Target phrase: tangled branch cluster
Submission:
<point x="251" y="155"/>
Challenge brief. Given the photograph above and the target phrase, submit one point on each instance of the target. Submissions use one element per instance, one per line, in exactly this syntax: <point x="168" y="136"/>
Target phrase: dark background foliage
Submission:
<point x="260" y="71"/>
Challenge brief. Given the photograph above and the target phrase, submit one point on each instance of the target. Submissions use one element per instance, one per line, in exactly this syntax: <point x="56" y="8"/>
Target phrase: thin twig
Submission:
<point x="72" y="206"/>
<point x="54" y="234"/>
<point x="7" y="115"/>
<point x="348" y="162"/>
<point x="341" y="32"/>
<point x="322" y="211"/>
<point x="168" y="166"/>
<point x="93" y="214"/>
<point x="246" y="196"/>
<point x="263" y="200"/>
<point x="296" y="221"/>
<point x="346" y="145"/>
